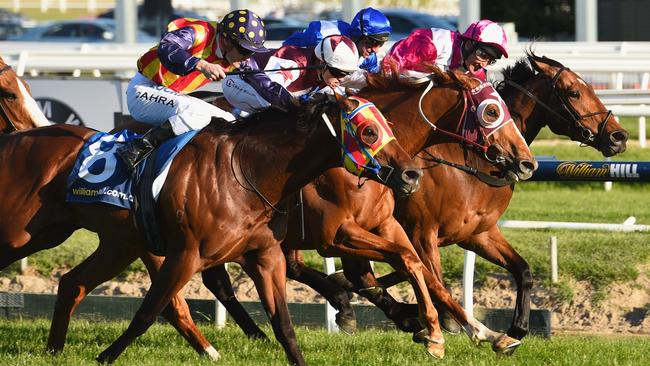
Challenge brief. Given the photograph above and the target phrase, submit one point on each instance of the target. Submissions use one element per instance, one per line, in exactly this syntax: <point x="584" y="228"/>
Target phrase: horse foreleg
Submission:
<point x="494" y="247"/>
<point x="178" y="314"/>
<point x="217" y="280"/>
<point x="334" y="294"/>
<point x="267" y="268"/>
<point x="108" y="260"/>
<point x="176" y="270"/>
<point x="354" y="241"/>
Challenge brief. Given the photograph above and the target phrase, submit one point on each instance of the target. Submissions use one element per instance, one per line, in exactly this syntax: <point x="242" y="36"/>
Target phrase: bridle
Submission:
<point x="11" y="127"/>
<point x="585" y="133"/>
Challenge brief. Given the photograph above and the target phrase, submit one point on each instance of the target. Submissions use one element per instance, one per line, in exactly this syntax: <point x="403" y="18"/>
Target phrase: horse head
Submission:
<point x="488" y="126"/>
<point x="566" y="103"/>
<point x="18" y="109"/>
<point x="369" y="147"/>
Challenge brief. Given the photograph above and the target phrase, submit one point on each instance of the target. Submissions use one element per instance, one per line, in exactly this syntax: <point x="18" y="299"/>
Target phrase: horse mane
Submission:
<point x="300" y="119"/>
<point x="392" y="80"/>
<point x="522" y="71"/>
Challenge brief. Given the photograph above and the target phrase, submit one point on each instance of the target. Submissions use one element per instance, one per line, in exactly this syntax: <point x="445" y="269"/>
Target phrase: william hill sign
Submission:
<point x="554" y="170"/>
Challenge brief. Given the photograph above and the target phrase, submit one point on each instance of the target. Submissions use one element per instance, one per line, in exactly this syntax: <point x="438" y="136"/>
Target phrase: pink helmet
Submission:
<point x="488" y="32"/>
<point x="338" y="52"/>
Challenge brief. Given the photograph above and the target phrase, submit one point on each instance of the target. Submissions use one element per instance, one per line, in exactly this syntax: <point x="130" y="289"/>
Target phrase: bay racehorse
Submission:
<point x="216" y="206"/>
<point x="18" y="109"/>
<point x="342" y="220"/>
<point x="84" y="279"/>
<point x="453" y="207"/>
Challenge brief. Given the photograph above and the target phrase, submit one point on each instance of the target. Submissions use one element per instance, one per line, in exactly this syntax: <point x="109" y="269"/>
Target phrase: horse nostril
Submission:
<point x="528" y="165"/>
<point x="618" y="136"/>
<point x="411" y="175"/>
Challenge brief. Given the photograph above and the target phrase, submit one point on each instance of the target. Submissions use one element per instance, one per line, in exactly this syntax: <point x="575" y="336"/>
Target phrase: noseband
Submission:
<point x="11" y="127"/>
<point x="585" y="133"/>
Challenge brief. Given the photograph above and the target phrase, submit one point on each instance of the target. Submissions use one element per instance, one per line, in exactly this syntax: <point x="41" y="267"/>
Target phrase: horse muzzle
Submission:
<point x="613" y="143"/>
<point x="402" y="182"/>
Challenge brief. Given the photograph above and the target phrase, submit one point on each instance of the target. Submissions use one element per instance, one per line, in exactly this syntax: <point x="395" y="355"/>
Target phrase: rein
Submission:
<point x="11" y="127"/>
<point x="463" y="140"/>
<point x="483" y="177"/>
<point x="585" y="133"/>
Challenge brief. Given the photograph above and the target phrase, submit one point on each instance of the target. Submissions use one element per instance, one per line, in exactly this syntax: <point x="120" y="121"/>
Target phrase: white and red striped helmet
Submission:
<point x="338" y="52"/>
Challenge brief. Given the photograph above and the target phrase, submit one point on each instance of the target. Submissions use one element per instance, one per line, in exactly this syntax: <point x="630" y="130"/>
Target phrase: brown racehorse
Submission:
<point x="18" y="109"/>
<point x="453" y="207"/>
<point x="88" y="277"/>
<point x="214" y="208"/>
<point x="339" y="217"/>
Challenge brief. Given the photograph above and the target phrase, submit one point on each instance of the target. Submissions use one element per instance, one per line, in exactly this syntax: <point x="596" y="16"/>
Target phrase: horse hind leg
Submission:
<point x="267" y="268"/>
<point x="177" y="313"/>
<point x="217" y="280"/>
<point x="21" y="245"/>
<point x="105" y="263"/>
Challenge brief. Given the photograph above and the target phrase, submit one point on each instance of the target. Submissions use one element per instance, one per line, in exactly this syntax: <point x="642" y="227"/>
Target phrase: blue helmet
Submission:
<point x="370" y="23"/>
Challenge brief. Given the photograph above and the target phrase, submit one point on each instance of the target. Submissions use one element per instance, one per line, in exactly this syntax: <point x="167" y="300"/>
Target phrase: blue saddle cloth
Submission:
<point x="99" y="176"/>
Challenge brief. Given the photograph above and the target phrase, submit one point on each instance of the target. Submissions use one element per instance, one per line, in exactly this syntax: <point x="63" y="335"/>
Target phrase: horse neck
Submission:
<point x="280" y="163"/>
<point x="413" y="133"/>
<point x="529" y="117"/>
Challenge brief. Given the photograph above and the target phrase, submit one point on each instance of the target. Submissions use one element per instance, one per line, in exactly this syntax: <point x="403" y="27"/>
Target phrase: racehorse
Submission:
<point x="216" y="206"/>
<point x="453" y="207"/>
<point x="344" y="221"/>
<point x="18" y="109"/>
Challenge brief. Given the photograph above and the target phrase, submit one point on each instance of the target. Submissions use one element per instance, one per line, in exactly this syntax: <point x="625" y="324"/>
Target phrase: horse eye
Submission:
<point x="8" y="95"/>
<point x="574" y="94"/>
<point x="369" y="135"/>
<point x="493" y="112"/>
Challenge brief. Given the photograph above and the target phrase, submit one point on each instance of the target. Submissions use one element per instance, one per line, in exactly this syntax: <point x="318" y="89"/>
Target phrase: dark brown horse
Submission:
<point x="455" y="207"/>
<point x="344" y="221"/>
<point x="215" y="207"/>
<point x="18" y="109"/>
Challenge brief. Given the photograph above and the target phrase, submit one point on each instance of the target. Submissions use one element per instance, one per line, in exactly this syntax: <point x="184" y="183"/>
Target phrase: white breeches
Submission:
<point x="151" y="103"/>
<point x="242" y="95"/>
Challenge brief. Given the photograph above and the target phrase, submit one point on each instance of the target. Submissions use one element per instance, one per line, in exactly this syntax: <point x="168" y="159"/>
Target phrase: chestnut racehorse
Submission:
<point x="453" y="207"/>
<point x="18" y="109"/>
<point x="216" y="206"/>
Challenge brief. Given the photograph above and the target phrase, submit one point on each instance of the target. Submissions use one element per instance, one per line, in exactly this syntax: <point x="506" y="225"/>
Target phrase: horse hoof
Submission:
<point x="436" y="350"/>
<point x="347" y="324"/>
<point x="505" y="345"/>
<point x="258" y="336"/>
<point x="371" y="292"/>
<point x="449" y="325"/>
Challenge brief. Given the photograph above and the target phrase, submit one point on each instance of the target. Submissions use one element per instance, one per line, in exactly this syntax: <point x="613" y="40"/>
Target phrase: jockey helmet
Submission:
<point x="246" y="29"/>
<point x="370" y="23"/>
<point x="339" y="53"/>
<point x="491" y="34"/>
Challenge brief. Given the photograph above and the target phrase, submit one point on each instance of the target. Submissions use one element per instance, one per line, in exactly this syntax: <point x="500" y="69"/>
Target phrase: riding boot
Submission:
<point x="138" y="149"/>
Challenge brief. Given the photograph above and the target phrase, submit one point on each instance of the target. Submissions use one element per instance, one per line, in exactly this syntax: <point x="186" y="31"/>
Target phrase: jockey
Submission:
<point x="190" y="54"/>
<point x="369" y="30"/>
<point x="315" y="68"/>
<point x="480" y="45"/>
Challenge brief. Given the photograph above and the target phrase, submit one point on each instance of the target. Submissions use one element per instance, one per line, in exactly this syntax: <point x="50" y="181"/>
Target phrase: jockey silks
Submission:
<point x="186" y="42"/>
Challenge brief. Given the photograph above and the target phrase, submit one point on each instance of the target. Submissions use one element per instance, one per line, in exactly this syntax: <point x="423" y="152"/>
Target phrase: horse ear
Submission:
<point x="344" y="102"/>
<point x="462" y="79"/>
<point x="540" y="66"/>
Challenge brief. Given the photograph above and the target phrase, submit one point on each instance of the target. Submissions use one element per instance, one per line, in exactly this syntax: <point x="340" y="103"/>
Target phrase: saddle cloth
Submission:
<point x="99" y="176"/>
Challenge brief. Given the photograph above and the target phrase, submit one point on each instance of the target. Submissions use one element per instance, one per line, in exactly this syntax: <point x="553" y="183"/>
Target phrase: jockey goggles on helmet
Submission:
<point x="487" y="53"/>
<point x="337" y="73"/>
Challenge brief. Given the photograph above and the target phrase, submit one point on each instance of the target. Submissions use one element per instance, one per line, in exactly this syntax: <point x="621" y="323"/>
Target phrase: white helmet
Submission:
<point x="338" y="52"/>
